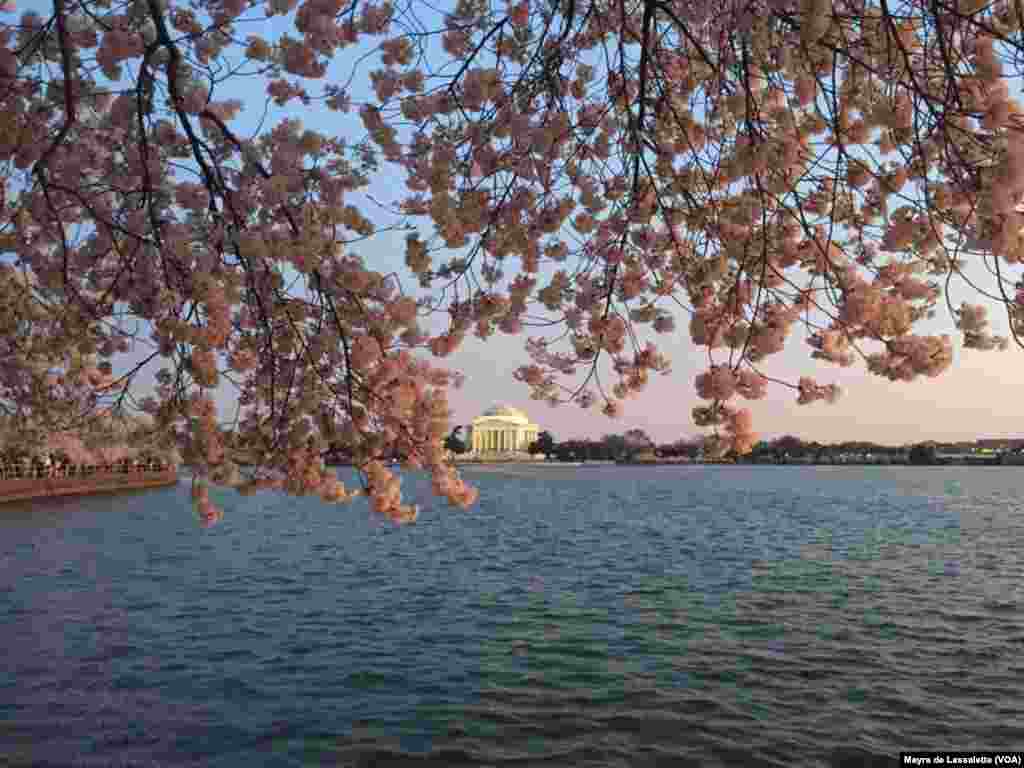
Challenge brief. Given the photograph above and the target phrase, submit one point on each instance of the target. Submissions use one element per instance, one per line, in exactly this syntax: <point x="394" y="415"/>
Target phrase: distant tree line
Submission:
<point x="628" y="446"/>
<point x="611" y="447"/>
<point x="792" y="447"/>
<point x="637" y="444"/>
<point x="789" y="447"/>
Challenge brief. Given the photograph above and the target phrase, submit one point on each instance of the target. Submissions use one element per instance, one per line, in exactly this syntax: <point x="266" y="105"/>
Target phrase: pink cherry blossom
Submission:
<point x="535" y="184"/>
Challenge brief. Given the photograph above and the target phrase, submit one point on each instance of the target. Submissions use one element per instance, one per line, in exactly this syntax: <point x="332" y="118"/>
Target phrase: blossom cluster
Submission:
<point x="764" y="167"/>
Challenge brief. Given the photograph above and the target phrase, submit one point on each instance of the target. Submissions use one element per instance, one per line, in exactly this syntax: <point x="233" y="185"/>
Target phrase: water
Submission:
<point x="614" y="616"/>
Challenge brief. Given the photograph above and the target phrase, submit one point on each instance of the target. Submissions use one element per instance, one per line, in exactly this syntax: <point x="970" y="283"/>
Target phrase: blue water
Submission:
<point x="595" y="616"/>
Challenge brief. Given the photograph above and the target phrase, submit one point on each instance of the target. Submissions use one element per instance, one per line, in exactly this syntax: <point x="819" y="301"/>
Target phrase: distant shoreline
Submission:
<point x="1016" y="460"/>
<point x="26" y="489"/>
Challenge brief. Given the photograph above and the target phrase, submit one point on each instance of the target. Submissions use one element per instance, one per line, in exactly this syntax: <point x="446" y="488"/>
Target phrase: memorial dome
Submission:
<point x="502" y="431"/>
<point x="507" y="413"/>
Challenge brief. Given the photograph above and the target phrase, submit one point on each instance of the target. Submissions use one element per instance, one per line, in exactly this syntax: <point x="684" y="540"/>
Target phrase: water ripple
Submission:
<point x="715" y="616"/>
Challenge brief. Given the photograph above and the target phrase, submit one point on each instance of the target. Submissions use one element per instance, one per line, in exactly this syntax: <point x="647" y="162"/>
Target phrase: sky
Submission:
<point x="977" y="398"/>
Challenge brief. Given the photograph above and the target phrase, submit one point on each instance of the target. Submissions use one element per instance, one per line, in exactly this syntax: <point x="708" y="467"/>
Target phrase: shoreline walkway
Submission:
<point x="16" y="485"/>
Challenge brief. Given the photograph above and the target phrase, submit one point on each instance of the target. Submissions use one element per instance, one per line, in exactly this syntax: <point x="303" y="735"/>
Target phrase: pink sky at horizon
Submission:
<point x="972" y="400"/>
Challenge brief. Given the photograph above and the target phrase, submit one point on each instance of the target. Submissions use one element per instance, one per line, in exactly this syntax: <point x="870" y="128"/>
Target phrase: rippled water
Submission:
<point x="677" y="616"/>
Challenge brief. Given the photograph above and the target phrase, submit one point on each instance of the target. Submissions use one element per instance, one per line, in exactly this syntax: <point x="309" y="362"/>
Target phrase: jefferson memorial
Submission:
<point x="502" y="429"/>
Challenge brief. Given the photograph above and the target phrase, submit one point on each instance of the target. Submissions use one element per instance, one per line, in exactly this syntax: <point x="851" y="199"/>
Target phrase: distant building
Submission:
<point x="502" y="430"/>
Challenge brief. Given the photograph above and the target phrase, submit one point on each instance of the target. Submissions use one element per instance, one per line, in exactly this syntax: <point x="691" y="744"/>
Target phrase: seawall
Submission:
<point x="20" y="489"/>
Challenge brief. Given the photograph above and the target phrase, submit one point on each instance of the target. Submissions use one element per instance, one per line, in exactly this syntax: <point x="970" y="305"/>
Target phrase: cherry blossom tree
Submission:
<point x="594" y="168"/>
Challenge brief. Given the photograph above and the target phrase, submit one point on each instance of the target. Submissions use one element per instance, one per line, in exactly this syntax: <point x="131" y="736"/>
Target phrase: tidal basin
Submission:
<point x="613" y="616"/>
